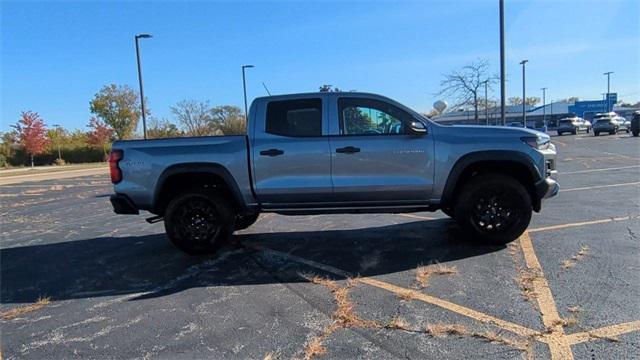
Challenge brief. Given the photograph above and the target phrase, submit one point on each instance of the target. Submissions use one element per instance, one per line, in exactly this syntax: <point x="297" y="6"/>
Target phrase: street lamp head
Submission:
<point x="524" y="62"/>
<point x="143" y="36"/>
<point x="247" y="66"/>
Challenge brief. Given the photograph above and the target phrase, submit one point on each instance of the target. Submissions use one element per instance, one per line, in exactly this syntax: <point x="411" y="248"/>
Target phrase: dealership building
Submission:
<point x="537" y="115"/>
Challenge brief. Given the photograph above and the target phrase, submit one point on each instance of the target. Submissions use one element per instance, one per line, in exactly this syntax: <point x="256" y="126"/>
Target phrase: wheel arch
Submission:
<point x="177" y="177"/>
<point x="512" y="163"/>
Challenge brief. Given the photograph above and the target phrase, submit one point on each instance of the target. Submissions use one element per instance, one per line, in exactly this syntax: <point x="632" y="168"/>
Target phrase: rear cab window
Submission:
<point x="295" y="118"/>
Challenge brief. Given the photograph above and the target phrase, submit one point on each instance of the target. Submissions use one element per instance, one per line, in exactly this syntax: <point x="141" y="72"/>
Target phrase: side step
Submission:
<point x="154" y="219"/>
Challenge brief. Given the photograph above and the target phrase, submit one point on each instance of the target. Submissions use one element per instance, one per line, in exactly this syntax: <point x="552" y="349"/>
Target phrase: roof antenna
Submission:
<point x="265" y="87"/>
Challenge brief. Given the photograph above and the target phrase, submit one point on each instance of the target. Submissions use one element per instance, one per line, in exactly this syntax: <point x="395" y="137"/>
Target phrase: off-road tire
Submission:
<point x="244" y="221"/>
<point x="199" y="221"/>
<point x="493" y="209"/>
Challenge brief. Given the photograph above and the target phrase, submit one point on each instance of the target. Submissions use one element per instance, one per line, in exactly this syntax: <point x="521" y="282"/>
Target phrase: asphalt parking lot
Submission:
<point x="329" y="287"/>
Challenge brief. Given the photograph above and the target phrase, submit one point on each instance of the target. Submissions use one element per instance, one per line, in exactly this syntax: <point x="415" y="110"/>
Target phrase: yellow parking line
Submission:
<point x="600" y="186"/>
<point x="605" y="332"/>
<point x="458" y="309"/>
<point x="558" y="345"/>
<point x="599" y="170"/>
<point x="582" y="223"/>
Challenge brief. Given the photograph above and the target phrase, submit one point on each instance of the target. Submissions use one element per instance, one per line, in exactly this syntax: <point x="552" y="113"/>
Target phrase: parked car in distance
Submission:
<point x="573" y="125"/>
<point x="606" y="122"/>
<point x="635" y="123"/>
<point x="514" y="124"/>
<point x="624" y="125"/>
<point x="334" y="153"/>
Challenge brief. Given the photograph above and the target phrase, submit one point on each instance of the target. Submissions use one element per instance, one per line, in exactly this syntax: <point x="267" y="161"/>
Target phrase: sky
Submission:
<point x="56" y="55"/>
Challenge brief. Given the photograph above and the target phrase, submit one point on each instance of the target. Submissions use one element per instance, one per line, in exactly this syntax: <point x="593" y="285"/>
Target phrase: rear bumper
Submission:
<point x="123" y="205"/>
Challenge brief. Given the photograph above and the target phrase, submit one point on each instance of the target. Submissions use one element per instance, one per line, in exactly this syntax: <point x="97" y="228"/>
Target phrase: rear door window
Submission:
<point x="295" y="118"/>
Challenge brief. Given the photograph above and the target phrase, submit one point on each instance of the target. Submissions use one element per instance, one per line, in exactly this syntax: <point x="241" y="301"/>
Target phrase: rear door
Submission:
<point x="375" y="156"/>
<point x="290" y="152"/>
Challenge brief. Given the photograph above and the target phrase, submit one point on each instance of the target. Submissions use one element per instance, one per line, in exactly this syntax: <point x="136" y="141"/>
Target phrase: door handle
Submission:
<point x="271" y="152"/>
<point x="348" y="150"/>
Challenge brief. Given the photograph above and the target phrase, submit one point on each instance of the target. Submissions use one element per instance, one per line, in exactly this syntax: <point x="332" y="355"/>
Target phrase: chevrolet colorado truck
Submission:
<point x="328" y="153"/>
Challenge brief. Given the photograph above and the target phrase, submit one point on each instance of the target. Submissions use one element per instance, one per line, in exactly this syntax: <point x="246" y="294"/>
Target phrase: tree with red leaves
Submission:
<point x="32" y="133"/>
<point x="100" y="134"/>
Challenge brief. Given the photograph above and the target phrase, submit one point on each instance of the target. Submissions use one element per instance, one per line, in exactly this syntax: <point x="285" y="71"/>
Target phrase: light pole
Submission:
<point x="503" y="90"/>
<point x="57" y="126"/>
<point x="244" y="88"/>
<point x="544" y="106"/>
<point x="144" y="115"/>
<point x="524" y="96"/>
<point x="608" y="73"/>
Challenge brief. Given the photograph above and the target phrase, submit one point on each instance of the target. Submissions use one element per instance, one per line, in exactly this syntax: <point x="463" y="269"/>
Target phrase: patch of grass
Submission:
<point x="441" y="330"/>
<point x="398" y="323"/>
<point x="314" y="348"/>
<point x="569" y="263"/>
<point x="424" y="273"/>
<point x="525" y="279"/>
<point x="13" y="313"/>
<point x="270" y="356"/>
<point x="405" y="295"/>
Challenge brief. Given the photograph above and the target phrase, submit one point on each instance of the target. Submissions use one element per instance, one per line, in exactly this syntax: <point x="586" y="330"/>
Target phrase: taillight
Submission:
<point x="114" y="158"/>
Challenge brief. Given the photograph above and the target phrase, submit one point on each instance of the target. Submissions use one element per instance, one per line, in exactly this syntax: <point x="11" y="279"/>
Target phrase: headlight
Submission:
<point x="540" y="142"/>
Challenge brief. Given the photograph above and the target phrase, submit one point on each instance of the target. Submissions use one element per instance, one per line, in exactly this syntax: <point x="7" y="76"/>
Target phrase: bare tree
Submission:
<point x="465" y="87"/>
<point x="195" y="117"/>
<point x="516" y="100"/>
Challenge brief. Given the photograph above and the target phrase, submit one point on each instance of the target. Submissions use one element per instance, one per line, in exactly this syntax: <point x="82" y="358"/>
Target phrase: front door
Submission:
<point x="292" y="164"/>
<point x="375" y="155"/>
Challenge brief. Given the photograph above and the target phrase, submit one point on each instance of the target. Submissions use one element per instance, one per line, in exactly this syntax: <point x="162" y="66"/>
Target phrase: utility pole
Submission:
<point x="503" y="90"/>
<point x="544" y="106"/>
<point x="144" y="115"/>
<point x="486" y="103"/>
<point x="608" y="73"/>
<point x="244" y="88"/>
<point x="524" y="95"/>
<point x="58" y="134"/>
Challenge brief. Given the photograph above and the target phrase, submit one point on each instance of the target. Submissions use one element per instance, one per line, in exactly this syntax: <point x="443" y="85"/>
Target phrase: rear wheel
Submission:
<point x="199" y="221"/>
<point x="636" y="132"/>
<point x="596" y="133"/>
<point x="574" y="132"/>
<point x="494" y="208"/>
<point x="559" y="133"/>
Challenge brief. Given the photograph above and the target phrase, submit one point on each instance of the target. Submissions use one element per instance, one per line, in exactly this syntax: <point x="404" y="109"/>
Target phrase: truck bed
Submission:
<point x="145" y="161"/>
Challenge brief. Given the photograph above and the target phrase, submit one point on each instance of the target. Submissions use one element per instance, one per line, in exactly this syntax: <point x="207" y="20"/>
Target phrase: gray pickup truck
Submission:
<point x="327" y="153"/>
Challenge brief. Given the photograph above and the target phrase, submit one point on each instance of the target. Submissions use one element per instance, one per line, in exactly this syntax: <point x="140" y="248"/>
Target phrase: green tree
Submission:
<point x="229" y="119"/>
<point x="119" y="107"/>
<point x="159" y="129"/>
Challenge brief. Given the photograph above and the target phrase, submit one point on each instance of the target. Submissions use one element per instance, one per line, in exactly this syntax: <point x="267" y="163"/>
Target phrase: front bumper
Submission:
<point x="547" y="187"/>
<point x="123" y="205"/>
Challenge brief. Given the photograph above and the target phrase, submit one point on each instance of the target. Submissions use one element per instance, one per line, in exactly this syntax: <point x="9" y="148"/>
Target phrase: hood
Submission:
<point x="506" y="130"/>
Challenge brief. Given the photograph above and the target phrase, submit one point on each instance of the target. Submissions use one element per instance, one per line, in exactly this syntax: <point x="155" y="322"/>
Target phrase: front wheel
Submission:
<point x="199" y="221"/>
<point x="559" y="133"/>
<point x="596" y="133"/>
<point x="636" y="133"/>
<point x="494" y="209"/>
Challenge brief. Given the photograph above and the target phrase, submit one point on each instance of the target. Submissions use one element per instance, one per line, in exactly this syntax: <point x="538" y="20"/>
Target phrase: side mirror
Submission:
<point x="418" y="127"/>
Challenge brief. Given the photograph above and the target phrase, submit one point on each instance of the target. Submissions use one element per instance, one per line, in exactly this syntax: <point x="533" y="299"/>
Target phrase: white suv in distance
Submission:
<point x="606" y="122"/>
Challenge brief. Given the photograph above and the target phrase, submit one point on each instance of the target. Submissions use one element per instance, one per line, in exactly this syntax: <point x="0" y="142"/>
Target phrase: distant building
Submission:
<point x="537" y="115"/>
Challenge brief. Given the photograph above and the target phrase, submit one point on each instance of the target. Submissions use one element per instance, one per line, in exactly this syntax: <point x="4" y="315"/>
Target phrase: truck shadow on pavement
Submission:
<point x="149" y="266"/>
